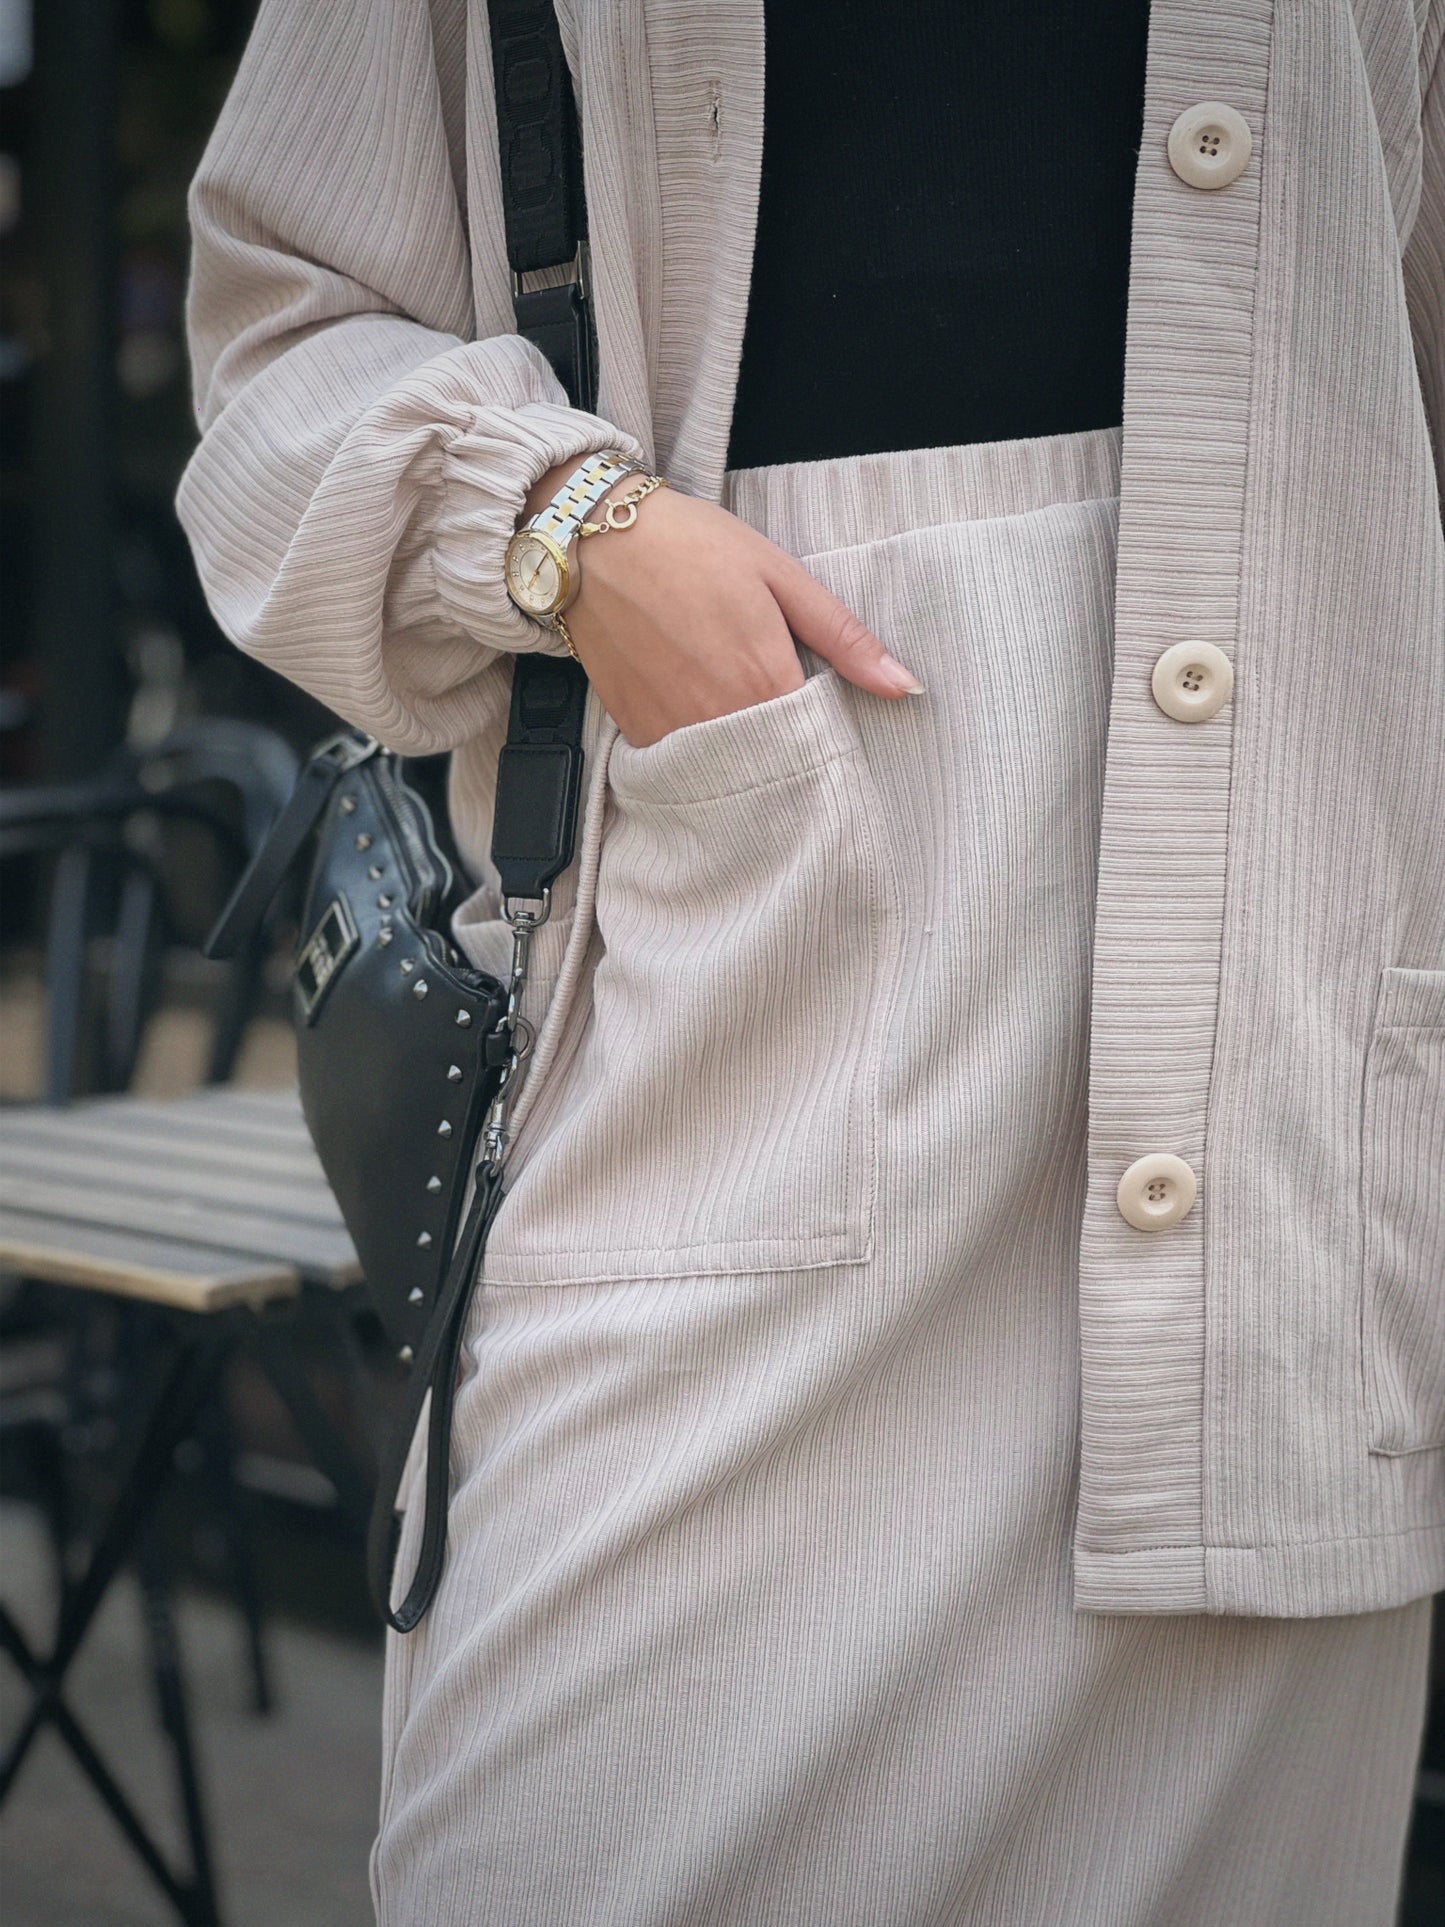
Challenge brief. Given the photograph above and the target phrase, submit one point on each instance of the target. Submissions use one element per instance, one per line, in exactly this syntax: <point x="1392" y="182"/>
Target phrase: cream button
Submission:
<point x="1157" y="1191"/>
<point x="1209" y="145"/>
<point x="1192" y="680"/>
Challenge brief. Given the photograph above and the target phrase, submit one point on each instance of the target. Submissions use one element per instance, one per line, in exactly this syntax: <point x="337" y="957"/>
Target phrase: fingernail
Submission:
<point x="901" y="678"/>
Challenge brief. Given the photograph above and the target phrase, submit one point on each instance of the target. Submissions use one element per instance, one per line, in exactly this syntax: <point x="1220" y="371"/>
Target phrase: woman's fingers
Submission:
<point x="830" y="629"/>
<point x="689" y="614"/>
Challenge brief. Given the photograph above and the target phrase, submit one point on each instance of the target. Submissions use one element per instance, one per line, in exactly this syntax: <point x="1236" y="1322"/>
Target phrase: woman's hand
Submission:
<point x="690" y="614"/>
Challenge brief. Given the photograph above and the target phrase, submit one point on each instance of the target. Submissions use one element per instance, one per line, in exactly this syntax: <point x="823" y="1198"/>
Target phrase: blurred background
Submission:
<point x="249" y="1573"/>
<point x="233" y="1667"/>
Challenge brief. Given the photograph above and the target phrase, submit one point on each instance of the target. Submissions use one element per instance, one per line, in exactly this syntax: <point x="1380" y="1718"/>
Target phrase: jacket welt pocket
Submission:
<point x="1403" y="1201"/>
<point x="719" y="1111"/>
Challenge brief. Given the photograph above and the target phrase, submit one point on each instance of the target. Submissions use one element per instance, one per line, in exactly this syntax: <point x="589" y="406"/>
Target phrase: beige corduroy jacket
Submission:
<point x="1263" y="1384"/>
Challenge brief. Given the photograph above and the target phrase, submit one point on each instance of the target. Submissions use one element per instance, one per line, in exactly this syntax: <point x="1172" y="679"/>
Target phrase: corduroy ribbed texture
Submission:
<point x="758" y="1608"/>
<point x="370" y="427"/>
<point x="1404" y="1251"/>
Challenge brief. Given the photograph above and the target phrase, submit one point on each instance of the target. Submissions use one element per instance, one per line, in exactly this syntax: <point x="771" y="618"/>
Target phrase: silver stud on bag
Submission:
<point x="408" y="965"/>
<point x="454" y="1073"/>
<point x="415" y="1295"/>
<point x="419" y="988"/>
<point x="384" y="935"/>
<point x="444" y="1129"/>
<point x="464" y="1017"/>
<point x="363" y="842"/>
<point x="433" y="1184"/>
<point x="424" y="1241"/>
<point x="384" y="902"/>
<point x="406" y="1354"/>
<point x="376" y="872"/>
<point x="348" y="805"/>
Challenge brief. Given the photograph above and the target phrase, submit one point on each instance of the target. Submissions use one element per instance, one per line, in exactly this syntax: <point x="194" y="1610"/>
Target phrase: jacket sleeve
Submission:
<point x="1424" y="258"/>
<point x="368" y="436"/>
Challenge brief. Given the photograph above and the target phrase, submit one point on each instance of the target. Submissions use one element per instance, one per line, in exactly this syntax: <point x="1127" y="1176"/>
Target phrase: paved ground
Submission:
<point x="293" y="1795"/>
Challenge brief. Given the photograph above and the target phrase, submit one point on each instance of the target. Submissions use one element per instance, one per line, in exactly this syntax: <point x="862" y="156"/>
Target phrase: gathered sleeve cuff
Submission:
<point x="381" y="588"/>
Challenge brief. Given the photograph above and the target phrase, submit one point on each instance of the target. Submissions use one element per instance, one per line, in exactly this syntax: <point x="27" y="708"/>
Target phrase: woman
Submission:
<point x="874" y="1498"/>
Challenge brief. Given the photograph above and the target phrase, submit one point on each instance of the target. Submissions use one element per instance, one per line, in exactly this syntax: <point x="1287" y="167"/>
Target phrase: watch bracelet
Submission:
<point x="588" y="483"/>
<point x="582" y="490"/>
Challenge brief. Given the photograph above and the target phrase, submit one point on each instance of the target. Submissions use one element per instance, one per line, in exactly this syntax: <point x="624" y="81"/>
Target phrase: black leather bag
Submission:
<point x="399" y="1042"/>
<point x="406" y="1055"/>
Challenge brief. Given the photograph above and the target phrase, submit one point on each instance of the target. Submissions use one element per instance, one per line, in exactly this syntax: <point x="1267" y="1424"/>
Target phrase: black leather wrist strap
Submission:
<point x="539" y="147"/>
<point x="435" y="1371"/>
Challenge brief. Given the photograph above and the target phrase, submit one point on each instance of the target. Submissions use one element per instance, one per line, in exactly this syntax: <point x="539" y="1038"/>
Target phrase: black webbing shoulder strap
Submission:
<point x="539" y="147"/>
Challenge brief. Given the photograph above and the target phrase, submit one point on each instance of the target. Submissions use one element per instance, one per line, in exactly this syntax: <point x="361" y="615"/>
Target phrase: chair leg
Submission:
<point x="51" y="1475"/>
<point x="328" y="1450"/>
<point x="338" y="1314"/>
<point x="65" y="961"/>
<point x="167" y="1404"/>
<point x="217" y="1440"/>
<point x="152" y="1569"/>
<point x="240" y="994"/>
<point x="131" y="989"/>
<point x="52" y="1708"/>
<point x="165" y="1411"/>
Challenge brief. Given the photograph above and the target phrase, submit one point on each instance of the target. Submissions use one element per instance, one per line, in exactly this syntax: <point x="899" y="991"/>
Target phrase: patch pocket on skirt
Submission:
<point x="1403" y="1201"/>
<point x="719" y="1114"/>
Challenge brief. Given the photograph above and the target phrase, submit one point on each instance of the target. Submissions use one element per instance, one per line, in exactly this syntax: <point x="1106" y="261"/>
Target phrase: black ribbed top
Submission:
<point x="943" y="233"/>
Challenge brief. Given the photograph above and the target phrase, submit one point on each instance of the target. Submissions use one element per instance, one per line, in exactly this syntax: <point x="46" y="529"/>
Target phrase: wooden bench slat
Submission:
<point x="222" y="1113"/>
<point x="214" y="1131"/>
<point x="321" y="1254"/>
<point x="92" y="1131"/>
<point x="164" y="1271"/>
<point x="267" y="1104"/>
<point x="221" y="1104"/>
<point x="223" y="1126"/>
<point x="283" y="1100"/>
<point x="119" y="1167"/>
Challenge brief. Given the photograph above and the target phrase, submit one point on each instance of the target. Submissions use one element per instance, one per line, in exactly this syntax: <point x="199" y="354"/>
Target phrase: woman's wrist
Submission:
<point x="589" y="496"/>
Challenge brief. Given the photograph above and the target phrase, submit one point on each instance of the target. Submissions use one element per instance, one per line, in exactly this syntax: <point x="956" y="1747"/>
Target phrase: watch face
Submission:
<point x="536" y="573"/>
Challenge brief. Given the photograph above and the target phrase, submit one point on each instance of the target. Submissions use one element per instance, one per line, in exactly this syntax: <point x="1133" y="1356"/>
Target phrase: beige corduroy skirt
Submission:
<point x="757" y="1607"/>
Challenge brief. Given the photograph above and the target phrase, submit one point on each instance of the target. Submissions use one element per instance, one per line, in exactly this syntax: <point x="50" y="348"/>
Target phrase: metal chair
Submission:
<point x="110" y="925"/>
<point x="108" y="900"/>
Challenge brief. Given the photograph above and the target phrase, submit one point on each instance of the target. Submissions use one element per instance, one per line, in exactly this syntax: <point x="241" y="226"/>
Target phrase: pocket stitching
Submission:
<point x="1395" y="982"/>
<point x="677" y="788"/>
<point x="528" y="1268"/>
<point x="696" y="801"/>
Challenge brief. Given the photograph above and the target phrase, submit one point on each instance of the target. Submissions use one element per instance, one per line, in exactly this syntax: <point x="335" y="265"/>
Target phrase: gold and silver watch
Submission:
<point x="541" y="567"/>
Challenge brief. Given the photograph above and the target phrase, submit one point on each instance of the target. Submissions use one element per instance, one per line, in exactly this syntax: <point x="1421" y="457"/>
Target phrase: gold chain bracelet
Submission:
<point x="620" y="513"/>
